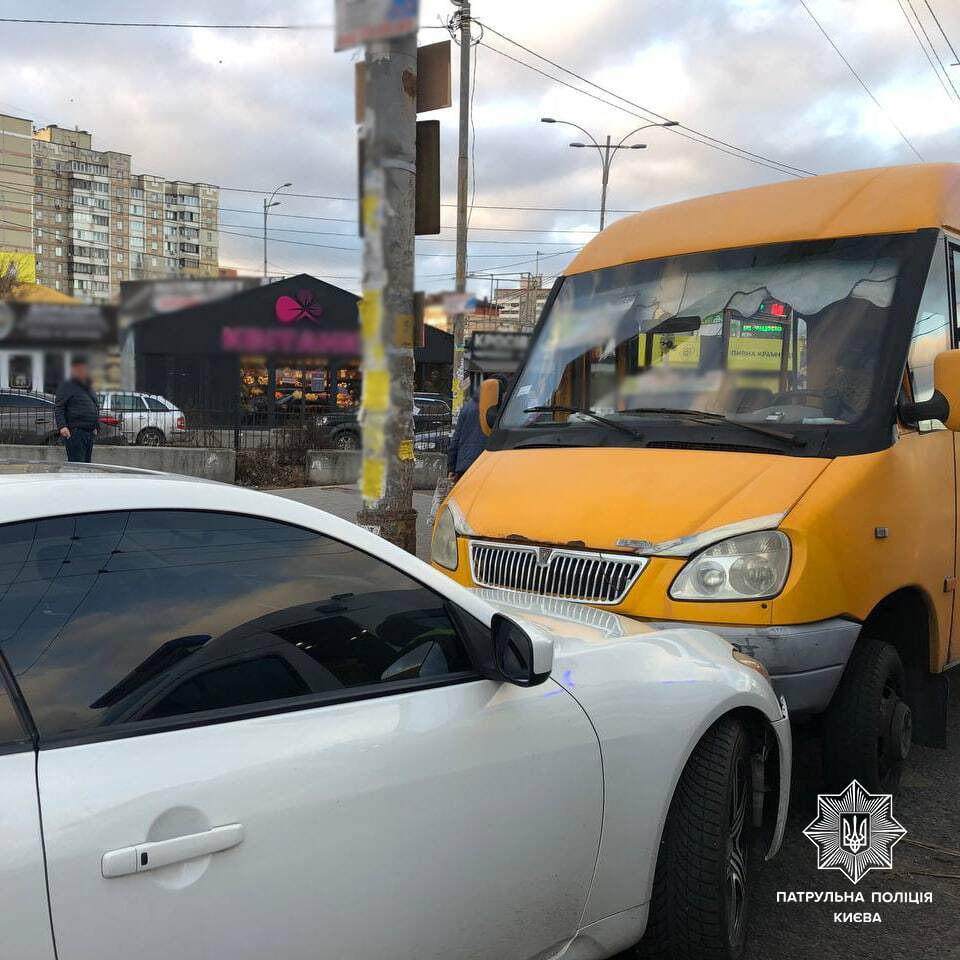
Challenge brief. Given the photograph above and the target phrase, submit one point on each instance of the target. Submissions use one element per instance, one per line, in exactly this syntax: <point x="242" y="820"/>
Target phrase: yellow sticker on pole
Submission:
<point x="403" y="331"/>
<point x="374" y="478"/>
<point x="406" y="450"/>
<point x="376" y="390"/>
<point x="371" y="325"/>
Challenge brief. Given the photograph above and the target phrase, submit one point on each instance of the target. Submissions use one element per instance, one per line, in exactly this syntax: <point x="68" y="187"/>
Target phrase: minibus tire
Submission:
<point x="692" y="913"/>
<point x="852" y="724"/>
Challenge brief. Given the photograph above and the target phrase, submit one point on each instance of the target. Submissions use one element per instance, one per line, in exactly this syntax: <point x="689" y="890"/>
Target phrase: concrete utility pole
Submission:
<point x="463" y="176"/>
<point x="386" y="310"/>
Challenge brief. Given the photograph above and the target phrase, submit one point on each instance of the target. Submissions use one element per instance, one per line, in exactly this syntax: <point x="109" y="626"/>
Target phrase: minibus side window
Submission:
<point x="931" y="335"/>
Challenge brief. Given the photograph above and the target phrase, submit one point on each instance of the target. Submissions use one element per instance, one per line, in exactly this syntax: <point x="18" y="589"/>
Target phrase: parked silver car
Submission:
<point x="145" y="419"/>
<point x="27" y="417"/>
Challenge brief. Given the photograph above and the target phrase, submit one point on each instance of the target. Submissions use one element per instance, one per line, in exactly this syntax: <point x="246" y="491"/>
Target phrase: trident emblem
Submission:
<point x="854" y="831"/>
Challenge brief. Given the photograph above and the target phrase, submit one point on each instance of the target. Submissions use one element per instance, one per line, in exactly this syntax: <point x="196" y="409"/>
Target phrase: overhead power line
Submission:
<point x="942" y="72"/>
<point x="943" y="33"/>
<point x="174" y="26"/>
<point x="860" y="80"/>
<point x="314" y="196"/>
<point x="647" y="114"/>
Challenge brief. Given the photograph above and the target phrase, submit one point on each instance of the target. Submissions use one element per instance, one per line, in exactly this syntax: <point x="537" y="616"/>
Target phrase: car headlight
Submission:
<point x="443" y="546"/>
<point x="324" y="420"/>
<point x="753" y="566"/>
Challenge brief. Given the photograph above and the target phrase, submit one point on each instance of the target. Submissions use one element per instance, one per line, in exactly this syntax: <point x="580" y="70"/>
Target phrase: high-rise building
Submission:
<point x="95" y="223"/>
<point x="16" y="185"/>
<point x="520" y="307"/>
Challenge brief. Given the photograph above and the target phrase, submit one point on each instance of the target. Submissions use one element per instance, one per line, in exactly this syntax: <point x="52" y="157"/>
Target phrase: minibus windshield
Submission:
<point x="782" y="336"/>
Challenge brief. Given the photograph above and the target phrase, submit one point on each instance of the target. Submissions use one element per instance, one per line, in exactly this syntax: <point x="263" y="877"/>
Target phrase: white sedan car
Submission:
<point x="235" y="726"/>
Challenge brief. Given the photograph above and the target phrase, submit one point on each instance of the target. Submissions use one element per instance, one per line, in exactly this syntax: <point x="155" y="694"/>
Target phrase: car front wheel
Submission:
<point x="347" y="441"/>
<point x="701" y="893"/>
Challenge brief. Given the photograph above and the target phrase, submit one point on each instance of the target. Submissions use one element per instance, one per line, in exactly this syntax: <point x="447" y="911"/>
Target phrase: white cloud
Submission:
<point x="253" y="109"/>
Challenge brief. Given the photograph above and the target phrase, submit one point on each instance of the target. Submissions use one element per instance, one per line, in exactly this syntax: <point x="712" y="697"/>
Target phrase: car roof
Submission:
<point x="12" y="392"/>
<point x="850" y="204"/>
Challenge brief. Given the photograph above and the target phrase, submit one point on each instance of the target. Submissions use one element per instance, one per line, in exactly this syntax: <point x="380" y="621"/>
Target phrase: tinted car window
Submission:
<point x="11" y="732"/>
<point x="12" y="400"/>
<point x="157" y="406"/>
<point x="129" y="617"/>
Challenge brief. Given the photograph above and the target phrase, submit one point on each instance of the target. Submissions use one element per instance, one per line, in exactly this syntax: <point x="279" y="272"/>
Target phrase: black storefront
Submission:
<point x="264" y="355"/>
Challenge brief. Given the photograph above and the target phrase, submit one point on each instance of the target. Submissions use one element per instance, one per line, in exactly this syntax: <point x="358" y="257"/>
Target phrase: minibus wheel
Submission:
<point x="868" y="727"/>
<point x="700" y="890"/>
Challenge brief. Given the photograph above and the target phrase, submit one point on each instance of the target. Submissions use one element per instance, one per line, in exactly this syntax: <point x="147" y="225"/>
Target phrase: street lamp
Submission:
<point x="608" y="151"/>
<point x="267" y="204"/>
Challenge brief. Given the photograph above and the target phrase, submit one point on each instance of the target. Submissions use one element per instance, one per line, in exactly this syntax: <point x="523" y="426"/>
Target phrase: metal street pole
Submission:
<point x="267" y="204"/>
<point x="463" y="175"/>
<point x="605" y="159"/>
<point x="386" y="309"/>
<point x="608" y="152"/>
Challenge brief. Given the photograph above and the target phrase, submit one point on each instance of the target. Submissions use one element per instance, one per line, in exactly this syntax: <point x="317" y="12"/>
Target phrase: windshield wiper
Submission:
<point x="705" y="416"/>
<point x="559" y="408"/>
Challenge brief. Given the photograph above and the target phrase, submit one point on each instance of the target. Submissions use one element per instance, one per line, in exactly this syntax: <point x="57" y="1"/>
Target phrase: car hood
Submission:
<point x="674" y="654"/>
<point x="596" y="497"/>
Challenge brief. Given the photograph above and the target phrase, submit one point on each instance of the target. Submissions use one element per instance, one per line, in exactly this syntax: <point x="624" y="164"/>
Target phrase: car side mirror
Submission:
<point x="944" y="405"/>
<point x="523" y="657"/>
<point x="489" y="404"/>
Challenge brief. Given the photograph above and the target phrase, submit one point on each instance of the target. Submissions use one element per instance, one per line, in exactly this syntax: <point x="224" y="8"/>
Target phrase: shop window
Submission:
<point x="53" y="369"/>
<point x="20" y="371"/>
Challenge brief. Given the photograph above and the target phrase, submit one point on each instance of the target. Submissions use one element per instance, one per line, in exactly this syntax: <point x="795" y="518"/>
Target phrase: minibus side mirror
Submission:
<point x="490" y="405"/>
<point x="946" y="383"/>
<point x="944" y="405"/>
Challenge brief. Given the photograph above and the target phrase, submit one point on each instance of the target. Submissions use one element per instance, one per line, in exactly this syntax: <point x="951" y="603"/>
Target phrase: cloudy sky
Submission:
<point x="251" y="109"/>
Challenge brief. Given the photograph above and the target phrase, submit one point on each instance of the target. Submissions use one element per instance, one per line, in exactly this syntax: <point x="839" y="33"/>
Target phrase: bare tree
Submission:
<point x="11" y="278"/>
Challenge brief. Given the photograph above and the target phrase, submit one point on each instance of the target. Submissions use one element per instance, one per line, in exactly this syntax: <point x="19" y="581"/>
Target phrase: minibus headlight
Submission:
<point x="443" y="546"/>
<point x="753" y="566"/>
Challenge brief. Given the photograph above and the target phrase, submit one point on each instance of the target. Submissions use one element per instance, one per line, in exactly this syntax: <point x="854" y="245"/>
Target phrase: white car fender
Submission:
<point x="651" y="695"/>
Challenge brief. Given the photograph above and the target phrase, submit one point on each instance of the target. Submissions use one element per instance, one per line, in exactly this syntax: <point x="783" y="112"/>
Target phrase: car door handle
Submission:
<point x="161" y="853"/>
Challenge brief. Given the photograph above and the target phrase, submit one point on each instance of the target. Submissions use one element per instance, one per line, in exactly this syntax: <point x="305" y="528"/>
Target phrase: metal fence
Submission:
<point x="29" y="419"/>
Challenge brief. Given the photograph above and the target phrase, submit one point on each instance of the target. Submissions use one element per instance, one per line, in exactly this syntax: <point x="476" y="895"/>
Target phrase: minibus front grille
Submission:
<point x="584" y="576"/>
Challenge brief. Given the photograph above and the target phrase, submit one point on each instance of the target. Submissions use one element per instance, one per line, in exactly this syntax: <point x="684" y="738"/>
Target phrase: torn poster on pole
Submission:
<point x="362" y="21"/>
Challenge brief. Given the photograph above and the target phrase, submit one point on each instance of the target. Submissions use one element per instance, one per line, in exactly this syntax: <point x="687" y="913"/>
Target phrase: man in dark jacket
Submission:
<point x="468" y="440"/>
<point x="77" y="413"/>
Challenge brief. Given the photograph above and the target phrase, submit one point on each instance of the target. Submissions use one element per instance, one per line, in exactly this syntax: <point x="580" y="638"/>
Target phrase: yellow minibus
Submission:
<point x="739" y="411"/>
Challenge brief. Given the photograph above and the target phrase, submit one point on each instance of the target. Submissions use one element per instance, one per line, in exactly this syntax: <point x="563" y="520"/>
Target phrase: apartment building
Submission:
<point x="519" y="308"/>
<point x="16" y="185"/>
<point x="95" y="223"/>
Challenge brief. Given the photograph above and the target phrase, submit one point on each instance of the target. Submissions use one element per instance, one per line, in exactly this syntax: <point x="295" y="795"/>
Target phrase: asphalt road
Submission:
<point x="927" y="860"/>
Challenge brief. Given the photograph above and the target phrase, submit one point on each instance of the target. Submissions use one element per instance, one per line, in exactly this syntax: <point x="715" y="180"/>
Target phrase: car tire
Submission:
<point x="346" y="441"/>
<point x="698" y="910"/>
<point x="150" y="437"/>
<point x="867" y="729"/>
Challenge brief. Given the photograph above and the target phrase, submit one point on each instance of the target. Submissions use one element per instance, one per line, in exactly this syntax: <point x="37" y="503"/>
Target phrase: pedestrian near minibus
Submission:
<point x="468" y="440"/>
<point x="76" y="412"/>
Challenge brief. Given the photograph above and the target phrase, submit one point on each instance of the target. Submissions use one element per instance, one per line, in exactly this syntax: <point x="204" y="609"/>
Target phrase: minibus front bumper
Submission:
<point x="805" y="660"/>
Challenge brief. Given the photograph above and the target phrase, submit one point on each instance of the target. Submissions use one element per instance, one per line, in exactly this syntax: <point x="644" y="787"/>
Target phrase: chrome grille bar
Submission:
<point x="585" y="576"/>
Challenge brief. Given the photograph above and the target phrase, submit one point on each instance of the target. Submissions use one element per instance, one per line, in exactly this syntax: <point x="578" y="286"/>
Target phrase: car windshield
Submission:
<point x="776" y="336"/>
